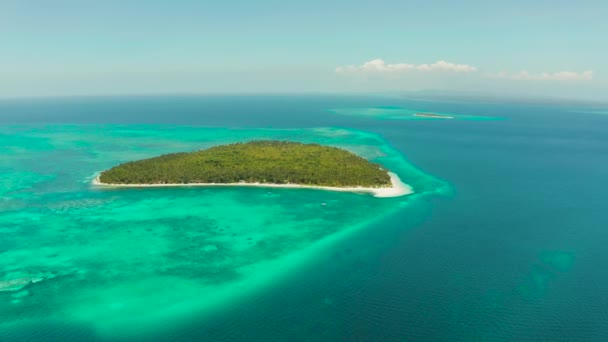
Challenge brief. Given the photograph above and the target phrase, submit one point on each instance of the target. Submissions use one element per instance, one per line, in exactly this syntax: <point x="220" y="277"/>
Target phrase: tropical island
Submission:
<point x="268" y="163"/>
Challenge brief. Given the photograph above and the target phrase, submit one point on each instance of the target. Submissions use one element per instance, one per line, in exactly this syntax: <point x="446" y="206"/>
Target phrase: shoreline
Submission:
<point x="397" y="189"/>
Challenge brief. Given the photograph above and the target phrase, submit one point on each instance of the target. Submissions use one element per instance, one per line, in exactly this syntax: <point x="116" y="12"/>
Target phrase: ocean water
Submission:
<point x="503" y="239"/>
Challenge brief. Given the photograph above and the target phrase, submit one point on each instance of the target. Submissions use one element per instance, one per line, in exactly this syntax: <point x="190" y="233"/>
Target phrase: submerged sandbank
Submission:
<point x="398" y="113"/>
<point x="433" y="115"/>
<point x="398" y="188"/>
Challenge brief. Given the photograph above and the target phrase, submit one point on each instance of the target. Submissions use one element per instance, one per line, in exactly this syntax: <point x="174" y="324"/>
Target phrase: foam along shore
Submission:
<point x="398" y="188"/>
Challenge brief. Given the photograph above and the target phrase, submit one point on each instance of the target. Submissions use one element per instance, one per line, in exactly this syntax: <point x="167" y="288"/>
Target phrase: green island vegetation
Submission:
<point x="264" y="161"/>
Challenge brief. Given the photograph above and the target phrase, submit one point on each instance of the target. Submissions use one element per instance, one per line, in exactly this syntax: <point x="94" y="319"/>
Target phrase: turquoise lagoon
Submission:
<point x="510" y="247"/>
<point x="131" y="263"/>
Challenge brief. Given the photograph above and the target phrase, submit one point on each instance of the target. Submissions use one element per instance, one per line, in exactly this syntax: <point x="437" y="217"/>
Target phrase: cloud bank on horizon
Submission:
<point x="379" y="66"/>
<point x="547" y="76"/>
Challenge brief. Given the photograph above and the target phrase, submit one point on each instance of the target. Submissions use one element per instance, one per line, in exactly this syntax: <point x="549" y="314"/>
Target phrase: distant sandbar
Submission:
<point x="433" y="115"/>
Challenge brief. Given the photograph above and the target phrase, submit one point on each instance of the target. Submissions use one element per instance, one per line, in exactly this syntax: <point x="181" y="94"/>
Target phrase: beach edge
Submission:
<point x="397" y="189"/>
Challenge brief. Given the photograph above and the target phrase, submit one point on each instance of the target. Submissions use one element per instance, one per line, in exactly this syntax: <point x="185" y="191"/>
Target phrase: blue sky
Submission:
<point x="545" y="48"/>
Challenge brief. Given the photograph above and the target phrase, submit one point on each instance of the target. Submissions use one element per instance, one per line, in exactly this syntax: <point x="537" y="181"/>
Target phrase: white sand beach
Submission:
<point x="397" y="189"/>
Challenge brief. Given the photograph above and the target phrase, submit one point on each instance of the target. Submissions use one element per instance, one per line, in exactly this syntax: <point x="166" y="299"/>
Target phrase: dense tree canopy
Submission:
<point x="278" y="162"/>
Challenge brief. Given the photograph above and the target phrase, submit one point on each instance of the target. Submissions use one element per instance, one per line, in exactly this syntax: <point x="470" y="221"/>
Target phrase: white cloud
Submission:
<point x="380" y="66"/>
<point x="546" y="76"/>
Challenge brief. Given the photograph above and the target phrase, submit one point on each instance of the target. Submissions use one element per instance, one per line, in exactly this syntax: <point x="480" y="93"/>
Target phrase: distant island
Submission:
<point x="267" y="163"/>
<point x="433" y="115"/>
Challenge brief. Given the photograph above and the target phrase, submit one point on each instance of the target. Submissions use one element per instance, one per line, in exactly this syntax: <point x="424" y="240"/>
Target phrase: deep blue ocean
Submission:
<point x="514" y="252"/>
